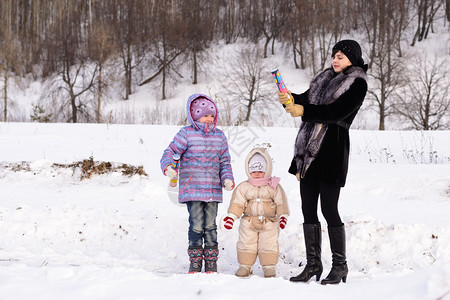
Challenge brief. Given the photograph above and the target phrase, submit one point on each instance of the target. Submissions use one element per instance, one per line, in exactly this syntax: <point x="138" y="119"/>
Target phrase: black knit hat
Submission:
<point x="351" y="49"/>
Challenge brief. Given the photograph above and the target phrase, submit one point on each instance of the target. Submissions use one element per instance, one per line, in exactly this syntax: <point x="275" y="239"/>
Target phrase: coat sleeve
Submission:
<point x="226" y="171"/>
<point x="280" y="200"/>
<point x="238" y="201"/>
<point x="177" y="146"/>
<point x="301" y="99"/>
<point x="345" y="105"/>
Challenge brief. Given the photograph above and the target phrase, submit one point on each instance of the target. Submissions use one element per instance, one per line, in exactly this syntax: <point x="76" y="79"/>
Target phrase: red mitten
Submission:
<point x="283" y="222"/>
<point x="228" y="222"/>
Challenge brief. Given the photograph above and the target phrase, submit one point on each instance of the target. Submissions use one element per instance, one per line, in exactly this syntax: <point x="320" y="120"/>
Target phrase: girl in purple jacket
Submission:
<point x="203" y="171"/>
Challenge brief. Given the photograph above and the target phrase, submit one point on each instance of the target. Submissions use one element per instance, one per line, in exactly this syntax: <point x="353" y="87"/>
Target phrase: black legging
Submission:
<point x="310" y="189"/>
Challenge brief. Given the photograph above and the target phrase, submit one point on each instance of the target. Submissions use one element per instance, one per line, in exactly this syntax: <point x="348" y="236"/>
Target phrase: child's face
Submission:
<point x="209" y="119"/>
<point x="257" y="175"/>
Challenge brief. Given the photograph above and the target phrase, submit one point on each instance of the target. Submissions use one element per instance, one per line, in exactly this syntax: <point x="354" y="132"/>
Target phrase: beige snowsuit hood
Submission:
<point x="265" y="154"/>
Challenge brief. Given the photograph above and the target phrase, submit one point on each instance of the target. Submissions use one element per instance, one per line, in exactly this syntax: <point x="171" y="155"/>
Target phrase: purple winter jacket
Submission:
<point x="205" y="159"/>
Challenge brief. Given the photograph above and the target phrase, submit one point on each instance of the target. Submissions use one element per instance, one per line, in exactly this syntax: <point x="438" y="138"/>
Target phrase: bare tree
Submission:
<point x="426" y="12"/>
<point x="328" y="29"/>
<point x="386" y="65"/>
<point x="101" y="49"/>
<point x="71" y="56"/>
<point x="270" y="20"/>
<point x="230" y="20"/>
<point x="9" y="62"/>
<point x="298" y="32"/>
<point x="447" y="9"/>
<point x="130" y="19"/>
<point x="198" y="30"/>
<point x="247" y="79"/>
<point x="424" y="101"/>
<point x="318" y="26"/>
<point x="168" y="42"/>
<point x="387" y="72"/>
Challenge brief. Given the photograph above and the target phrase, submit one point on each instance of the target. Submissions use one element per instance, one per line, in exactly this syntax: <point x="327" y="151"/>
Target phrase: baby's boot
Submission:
<point x="244" y="271"/>
<point x="269" y="271"/>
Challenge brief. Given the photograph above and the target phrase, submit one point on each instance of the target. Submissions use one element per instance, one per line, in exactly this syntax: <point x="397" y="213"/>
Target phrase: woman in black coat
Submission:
<point x="320" y="161"/>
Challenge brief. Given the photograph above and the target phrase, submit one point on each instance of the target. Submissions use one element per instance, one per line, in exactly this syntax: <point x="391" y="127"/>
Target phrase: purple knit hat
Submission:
<point x="201" y="107"/>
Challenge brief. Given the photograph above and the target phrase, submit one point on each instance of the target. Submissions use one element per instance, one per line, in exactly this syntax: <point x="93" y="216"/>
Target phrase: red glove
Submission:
<point x="228" y="222"/>
<point x="283" y="222"/>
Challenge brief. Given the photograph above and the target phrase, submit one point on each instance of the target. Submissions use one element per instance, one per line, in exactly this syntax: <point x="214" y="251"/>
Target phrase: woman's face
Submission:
<point x="340" y="62"/>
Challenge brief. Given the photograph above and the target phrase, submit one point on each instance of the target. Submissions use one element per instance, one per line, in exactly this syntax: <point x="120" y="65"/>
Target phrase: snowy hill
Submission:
<point x="112" y="236"/>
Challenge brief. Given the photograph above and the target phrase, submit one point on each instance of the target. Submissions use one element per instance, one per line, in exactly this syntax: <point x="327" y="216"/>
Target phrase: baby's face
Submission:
<point x="209" y="119"/>
<point x="257" y="175"/>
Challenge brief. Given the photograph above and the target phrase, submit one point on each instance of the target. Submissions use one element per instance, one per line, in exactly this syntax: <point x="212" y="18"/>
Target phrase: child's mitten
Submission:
<point x="228" y="221"/>
<point x="170" y="172"/>
<point x="228" y="184"/>
<point x="283" y="221"/>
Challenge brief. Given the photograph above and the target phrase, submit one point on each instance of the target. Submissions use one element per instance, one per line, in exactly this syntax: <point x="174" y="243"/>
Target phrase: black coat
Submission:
<point x="331" y="163"/>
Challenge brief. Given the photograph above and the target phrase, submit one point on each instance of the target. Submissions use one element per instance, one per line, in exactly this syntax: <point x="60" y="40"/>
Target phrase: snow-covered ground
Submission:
<point x="118" y="237"/>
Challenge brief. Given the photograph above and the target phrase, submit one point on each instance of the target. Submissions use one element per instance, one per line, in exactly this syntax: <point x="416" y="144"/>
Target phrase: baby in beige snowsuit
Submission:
<point x="261" y="204"/>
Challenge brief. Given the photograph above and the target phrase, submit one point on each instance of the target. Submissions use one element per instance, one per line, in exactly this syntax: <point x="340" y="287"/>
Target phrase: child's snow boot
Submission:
<point x="196" y="259"/>
<point x="211" y="255"/>
<point x="244" y="271"/>
<point x="269" y="271"/>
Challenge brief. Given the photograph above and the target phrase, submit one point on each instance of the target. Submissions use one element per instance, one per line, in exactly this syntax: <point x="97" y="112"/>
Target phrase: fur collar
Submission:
<point x="326" y="88"/>
<point x="329" y="85"/>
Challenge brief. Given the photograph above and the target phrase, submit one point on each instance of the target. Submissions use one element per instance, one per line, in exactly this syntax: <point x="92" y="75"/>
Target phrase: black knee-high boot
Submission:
<point x="313" y="242"/>
<point x="339" y="269"/>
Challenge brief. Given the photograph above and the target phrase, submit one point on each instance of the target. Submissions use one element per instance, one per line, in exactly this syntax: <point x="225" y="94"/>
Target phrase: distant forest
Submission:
<point x="76" y="38"/>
